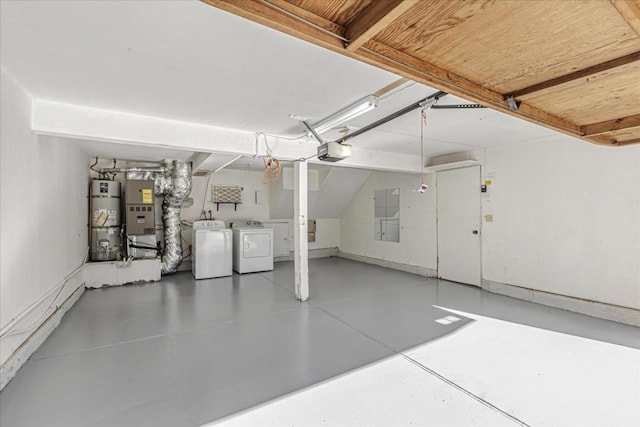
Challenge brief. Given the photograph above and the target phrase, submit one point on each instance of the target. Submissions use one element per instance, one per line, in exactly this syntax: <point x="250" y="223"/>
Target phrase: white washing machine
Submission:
<point x="212" y="251"/>
<point x="252" y="247"/>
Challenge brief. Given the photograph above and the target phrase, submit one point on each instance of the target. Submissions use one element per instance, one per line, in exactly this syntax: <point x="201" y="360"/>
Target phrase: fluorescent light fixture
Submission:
<point x="367" y="103"/>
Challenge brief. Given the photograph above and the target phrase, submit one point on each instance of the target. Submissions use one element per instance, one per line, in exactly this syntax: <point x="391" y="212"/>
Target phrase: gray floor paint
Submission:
<point x="185" y="352"/>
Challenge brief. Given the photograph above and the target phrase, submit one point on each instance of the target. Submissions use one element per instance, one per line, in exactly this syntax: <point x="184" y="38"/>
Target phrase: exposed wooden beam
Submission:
<point x="391" y="86"/>
<point x="386" y="57"/>
<point x="276" y="18"/>
<point x="614" y="63"/>
<point x="395" y="61"/>
<point x="630" y="11"/>
<point x="611" y="125"/>
<point x="310" y="16"/>
<point x="373" y="19"/>
<point x="629" y="142"/>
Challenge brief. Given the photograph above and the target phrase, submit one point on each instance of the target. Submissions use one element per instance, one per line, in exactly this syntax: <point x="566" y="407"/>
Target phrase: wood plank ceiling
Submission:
<point x="571" y="65"/>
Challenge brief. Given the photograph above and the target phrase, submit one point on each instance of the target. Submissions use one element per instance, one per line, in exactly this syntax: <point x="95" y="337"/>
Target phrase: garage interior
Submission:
<point x="451" y="191"/>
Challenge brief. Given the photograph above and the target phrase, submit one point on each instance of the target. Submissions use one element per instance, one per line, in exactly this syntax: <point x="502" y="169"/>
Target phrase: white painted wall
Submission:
<point x="250" y="181"/>
<point x="566" y="219"/>
<point x="330" y="190"/>
<point x="418" y="243"/>
<point x="328" y="229"/>
<point x="44" y="187"/>
<point x="327" y="233"/>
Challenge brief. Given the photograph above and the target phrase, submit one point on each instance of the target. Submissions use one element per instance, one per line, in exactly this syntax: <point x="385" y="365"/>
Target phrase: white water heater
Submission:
<point x="106" y="243"/>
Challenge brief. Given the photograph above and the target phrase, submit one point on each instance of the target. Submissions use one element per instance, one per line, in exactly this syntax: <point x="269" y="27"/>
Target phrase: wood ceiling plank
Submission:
<point x="342" y="12"/>
<point x="435" y="75"/>
<point x="309" y="16"/>
<point x="264" y="14"/>
<point x="506" y="45"/>
<point x="629" y="142"/>
<point x="608" y="126"/>
<point x="630" y="11"/>
<point x="604" y="96"/>
<point x="623" y="136"/>
<point x="396" y="61"/>
<point x="388" y="58"/>
<point x="618" y="62"/>
<point x="374" y="19"/>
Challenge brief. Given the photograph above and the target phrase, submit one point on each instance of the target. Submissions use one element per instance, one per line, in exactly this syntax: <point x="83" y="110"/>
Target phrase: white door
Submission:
<point x="458" y="208"/>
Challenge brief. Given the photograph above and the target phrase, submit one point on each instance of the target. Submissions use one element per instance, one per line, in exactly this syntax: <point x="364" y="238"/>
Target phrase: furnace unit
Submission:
<point x="141" y="219"/>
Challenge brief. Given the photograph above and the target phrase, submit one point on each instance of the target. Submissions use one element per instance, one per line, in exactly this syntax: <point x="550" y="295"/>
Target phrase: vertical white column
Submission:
<point x="301" y="249"/>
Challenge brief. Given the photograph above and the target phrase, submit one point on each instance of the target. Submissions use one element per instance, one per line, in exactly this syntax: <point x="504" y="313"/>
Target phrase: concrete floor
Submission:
<point x="372" y="346"/>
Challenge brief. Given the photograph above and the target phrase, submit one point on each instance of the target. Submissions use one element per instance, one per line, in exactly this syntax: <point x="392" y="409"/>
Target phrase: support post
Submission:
<point x="301" y="249"/>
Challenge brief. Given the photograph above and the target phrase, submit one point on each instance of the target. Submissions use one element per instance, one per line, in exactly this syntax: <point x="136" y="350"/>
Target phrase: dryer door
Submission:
<point x="256" y="245"/>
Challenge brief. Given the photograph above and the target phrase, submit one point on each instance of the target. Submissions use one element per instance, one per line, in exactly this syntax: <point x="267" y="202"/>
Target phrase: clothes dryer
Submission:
<point x="252" y="247"/>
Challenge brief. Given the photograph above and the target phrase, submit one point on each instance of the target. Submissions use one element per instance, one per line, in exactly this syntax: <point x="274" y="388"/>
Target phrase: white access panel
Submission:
<point x="458" y="208"/>
<point x="212" y="251"/>
<point x="281" y="239"/>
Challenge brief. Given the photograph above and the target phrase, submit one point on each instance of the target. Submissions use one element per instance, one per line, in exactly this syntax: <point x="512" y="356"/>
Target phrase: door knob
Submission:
<point x="475" y="231"/>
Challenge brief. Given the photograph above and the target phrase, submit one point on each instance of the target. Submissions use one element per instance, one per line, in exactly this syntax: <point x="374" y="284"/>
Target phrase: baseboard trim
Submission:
<point x="415" y="269"/>
<point x="313" y="253"/>
<point x="601" y="310"/>
<point x="9" y="369"/>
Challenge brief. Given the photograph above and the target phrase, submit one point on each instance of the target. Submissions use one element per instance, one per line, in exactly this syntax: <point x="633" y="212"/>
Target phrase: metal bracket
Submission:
<point x="428" y="103"/>
<point x="313" y="132"/>
<point x="511" y="100"/>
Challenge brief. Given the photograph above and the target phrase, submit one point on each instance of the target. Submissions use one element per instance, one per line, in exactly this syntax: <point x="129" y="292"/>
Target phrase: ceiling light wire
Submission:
<point x="266" y="144"/>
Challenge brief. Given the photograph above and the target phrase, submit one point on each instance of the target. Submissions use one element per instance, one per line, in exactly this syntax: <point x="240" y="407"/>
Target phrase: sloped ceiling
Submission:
<point x="335" y="189"/>
<point x="569" y="65"/>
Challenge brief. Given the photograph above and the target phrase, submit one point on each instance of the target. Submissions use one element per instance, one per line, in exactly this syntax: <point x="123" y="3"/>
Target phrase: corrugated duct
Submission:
<point x="175" y="186"/>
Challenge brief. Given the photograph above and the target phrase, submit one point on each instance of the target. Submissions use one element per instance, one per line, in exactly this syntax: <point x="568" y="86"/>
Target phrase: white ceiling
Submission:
<point x="189" y="61"/>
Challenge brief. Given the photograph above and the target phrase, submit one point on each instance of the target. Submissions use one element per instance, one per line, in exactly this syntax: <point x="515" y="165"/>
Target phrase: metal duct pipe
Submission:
<point x="125" y="170"/>
<point x="139" y="175"/>
<point x="175" y="192"/>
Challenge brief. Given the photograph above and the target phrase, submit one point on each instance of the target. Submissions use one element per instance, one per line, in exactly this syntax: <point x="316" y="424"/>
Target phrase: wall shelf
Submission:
<point x="235" y="205"/>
